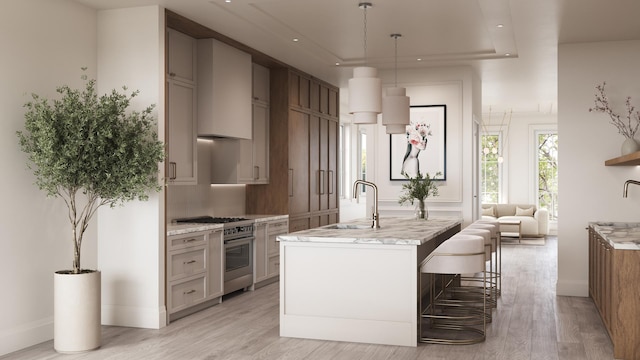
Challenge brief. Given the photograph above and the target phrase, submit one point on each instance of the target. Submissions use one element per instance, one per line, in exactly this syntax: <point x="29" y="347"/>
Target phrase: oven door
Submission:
<point x="238" y="267"/>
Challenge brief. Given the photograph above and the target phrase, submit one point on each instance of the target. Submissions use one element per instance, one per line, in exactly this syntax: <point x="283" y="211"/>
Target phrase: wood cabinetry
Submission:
<point x="267" y="251"/>
<point x="224" y="90"/>
<point x="303" y="156"/>
<point x="613" y="278"/>
<point x="194" y="272"/>
<point x="181" y="109"/>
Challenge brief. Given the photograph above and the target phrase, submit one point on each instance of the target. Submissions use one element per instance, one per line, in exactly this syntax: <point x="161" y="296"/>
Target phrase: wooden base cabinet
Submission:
<point x="614" y="275"/>
<point x="267" y="251"/>
<point x="194" y="272"/>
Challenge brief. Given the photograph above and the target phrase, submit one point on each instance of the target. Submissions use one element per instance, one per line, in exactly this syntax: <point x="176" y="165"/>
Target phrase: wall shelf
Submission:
<point x="625" y="160"/>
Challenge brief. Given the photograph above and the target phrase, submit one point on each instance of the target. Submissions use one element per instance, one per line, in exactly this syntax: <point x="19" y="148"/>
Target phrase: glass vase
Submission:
<point x="421" y="210"/>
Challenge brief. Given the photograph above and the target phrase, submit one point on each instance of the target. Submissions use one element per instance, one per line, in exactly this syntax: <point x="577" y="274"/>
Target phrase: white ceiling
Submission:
<point x="440" y="32"/>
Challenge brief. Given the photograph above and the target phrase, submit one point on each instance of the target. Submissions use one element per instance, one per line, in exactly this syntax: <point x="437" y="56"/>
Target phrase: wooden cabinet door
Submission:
<point x="260" y="253"/>
<point x="298" y="185"/>
<point x="182" y="164"/>
<point x="182" y="56"/>
<point x="215" y="265"/>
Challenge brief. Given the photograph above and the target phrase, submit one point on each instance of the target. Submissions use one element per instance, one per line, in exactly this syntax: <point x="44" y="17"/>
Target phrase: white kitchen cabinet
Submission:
<point x="267" y="250"/>
<point x="186" y="271"/>
<point x="224" y="90"/>
<point x="182" y="51"/>
<point x="181" y="100"/>
<point x="195" y="272"/>
<point x="260" y="88"/>
<point x="253" y="163"/>
<point x="215" y="264"/>
<point x="182" y="147"/>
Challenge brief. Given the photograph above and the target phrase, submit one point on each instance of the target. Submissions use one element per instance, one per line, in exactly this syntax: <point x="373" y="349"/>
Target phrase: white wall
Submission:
<point x="589" y="191"/>
<point x="132" y="237"/>
<point x="455" y="88"/>
<point x="44" y="45"/>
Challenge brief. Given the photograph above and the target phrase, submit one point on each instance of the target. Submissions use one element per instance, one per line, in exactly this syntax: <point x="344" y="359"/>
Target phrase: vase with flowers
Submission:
<point x="418" y="189"/>
<point x="626" y="128"/>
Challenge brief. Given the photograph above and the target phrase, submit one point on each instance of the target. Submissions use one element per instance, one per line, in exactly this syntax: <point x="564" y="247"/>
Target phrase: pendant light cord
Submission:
<point x="365" y="5"/>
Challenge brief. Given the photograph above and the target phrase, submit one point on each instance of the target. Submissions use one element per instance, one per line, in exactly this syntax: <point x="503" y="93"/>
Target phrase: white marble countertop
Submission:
<point x="179" y="229"/>
<point x="393" y="231"/>
<point x="620" y="235"/>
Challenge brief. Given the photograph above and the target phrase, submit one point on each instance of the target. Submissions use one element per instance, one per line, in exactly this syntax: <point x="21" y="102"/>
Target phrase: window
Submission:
<point x="547" y="169"/>
<point x="363" y="159"/>
<point x="490" y="169"/>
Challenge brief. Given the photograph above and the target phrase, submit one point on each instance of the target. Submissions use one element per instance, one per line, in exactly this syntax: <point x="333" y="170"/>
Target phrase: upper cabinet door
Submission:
<point x="260" y="84"/>
<point x="224" y="90"/>
<point x="182" y="56"/>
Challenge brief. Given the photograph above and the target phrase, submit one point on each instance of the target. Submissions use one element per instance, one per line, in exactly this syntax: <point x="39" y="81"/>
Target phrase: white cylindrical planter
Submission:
<point x="76" y="313"/>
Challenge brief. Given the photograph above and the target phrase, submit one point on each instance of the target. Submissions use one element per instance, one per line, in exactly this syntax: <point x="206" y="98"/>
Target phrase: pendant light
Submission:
<point x="365" y="88"/>
<point x="395" y="106"/>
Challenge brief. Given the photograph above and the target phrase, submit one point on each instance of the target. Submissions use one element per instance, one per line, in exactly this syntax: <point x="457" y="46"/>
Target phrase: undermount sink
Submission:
<point x="347" y="227"/>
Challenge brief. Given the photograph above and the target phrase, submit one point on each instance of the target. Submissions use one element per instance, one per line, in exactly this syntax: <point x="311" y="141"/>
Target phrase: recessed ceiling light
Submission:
<point x="419" y="59"/>
<point x="337" y="64"/>
<point x="499" y="26"/>
<point x="227" y="1"/>
<point x="296" y="39"/>
<point x="507" y="54"/>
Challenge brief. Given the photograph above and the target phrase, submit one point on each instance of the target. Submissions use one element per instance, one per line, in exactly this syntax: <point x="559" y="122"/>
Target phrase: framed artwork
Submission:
<point x="423" y="147"/>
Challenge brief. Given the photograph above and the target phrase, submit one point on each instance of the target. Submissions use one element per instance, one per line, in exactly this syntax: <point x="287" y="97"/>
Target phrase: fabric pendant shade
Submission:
<point x="365" y="95"/>
<point x="395" y="107"/>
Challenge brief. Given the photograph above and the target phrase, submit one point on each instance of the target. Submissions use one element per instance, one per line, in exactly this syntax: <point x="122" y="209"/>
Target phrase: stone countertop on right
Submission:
<point x="620" y="235"/>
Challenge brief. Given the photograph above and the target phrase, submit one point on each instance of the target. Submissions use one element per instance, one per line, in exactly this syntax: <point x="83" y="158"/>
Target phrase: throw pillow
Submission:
<point x="524" y="212"/>
<point x="488" y="212"/>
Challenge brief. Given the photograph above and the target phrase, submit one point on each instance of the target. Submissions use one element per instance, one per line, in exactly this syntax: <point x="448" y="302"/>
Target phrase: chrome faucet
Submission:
<point x="626" y="186"/>
<point x="376" y="216"/>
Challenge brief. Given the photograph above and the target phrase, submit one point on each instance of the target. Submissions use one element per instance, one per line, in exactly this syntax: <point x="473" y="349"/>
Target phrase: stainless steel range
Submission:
<point x="238" y="249"/>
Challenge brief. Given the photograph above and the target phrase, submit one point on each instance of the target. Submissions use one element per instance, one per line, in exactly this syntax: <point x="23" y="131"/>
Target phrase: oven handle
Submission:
<point x="240" y="241"/>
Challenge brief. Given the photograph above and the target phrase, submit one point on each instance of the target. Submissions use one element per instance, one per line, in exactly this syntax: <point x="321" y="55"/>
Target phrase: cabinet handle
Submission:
<point x="278" y="264"/>
<point x="331" y="182"/>
<point x="188" y="240"/>
<point x="256" y="172"/>
<point x="290" y="182"/>
<point x="321" y="182"/>
<point x="172" y="74"/>
<point x="189" y="292"/>
<point x="188" y="262"/>
<point x="173" y="170"/>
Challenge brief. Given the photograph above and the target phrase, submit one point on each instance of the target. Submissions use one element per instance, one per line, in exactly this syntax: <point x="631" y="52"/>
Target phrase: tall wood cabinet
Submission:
<point x="613" y="285"/>
<point x="303" y="156"/>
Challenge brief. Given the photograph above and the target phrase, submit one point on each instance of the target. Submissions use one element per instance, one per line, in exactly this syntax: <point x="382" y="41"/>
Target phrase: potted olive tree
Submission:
<point x="90" y="151"/>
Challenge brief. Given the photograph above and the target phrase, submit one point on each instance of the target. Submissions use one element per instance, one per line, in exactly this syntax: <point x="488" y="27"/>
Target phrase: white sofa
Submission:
<point x="533" y="222"/>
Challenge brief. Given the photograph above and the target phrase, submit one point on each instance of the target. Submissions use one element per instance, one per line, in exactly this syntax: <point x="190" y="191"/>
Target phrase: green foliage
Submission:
<point x="85" y="145"/>
<point x="548" y="173"/>
<point x="418" y="188"/>
<point x="490" y="169"/>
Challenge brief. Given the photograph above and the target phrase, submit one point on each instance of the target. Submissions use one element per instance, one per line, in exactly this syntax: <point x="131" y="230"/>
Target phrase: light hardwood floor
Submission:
<point x="531" y="322"/>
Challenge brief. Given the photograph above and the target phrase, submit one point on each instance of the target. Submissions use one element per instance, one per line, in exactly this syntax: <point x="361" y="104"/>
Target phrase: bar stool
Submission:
<point x="488" y="246"/>
<point x="464" y="321"/>
<point x="494" y="228"/>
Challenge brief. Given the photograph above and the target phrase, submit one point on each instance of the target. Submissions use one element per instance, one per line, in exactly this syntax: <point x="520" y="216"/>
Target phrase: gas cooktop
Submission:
<point x="209" y="220"/>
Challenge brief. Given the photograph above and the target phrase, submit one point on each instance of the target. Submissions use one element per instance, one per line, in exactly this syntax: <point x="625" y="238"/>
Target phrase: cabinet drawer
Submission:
<point x="273" y="267"/>
<point x="186" y="263"/>
<point x="185" y="294"/>
<point x="280" y="227"/>
<point x="184" y="241"/>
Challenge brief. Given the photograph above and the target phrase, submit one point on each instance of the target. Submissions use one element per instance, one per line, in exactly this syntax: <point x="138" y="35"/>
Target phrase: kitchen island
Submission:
<point x="349" y="282"/>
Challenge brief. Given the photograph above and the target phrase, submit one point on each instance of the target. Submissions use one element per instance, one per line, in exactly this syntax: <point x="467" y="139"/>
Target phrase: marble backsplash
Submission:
<point x="214" y="200"/>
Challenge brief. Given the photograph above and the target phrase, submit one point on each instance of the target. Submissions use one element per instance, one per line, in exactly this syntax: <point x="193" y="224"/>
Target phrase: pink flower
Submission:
<point x="417" y="135"/>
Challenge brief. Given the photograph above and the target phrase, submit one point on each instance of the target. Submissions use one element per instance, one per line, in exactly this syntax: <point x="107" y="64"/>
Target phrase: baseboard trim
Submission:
<point x="26" y="335"/>
<point x="146" y="318"/>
